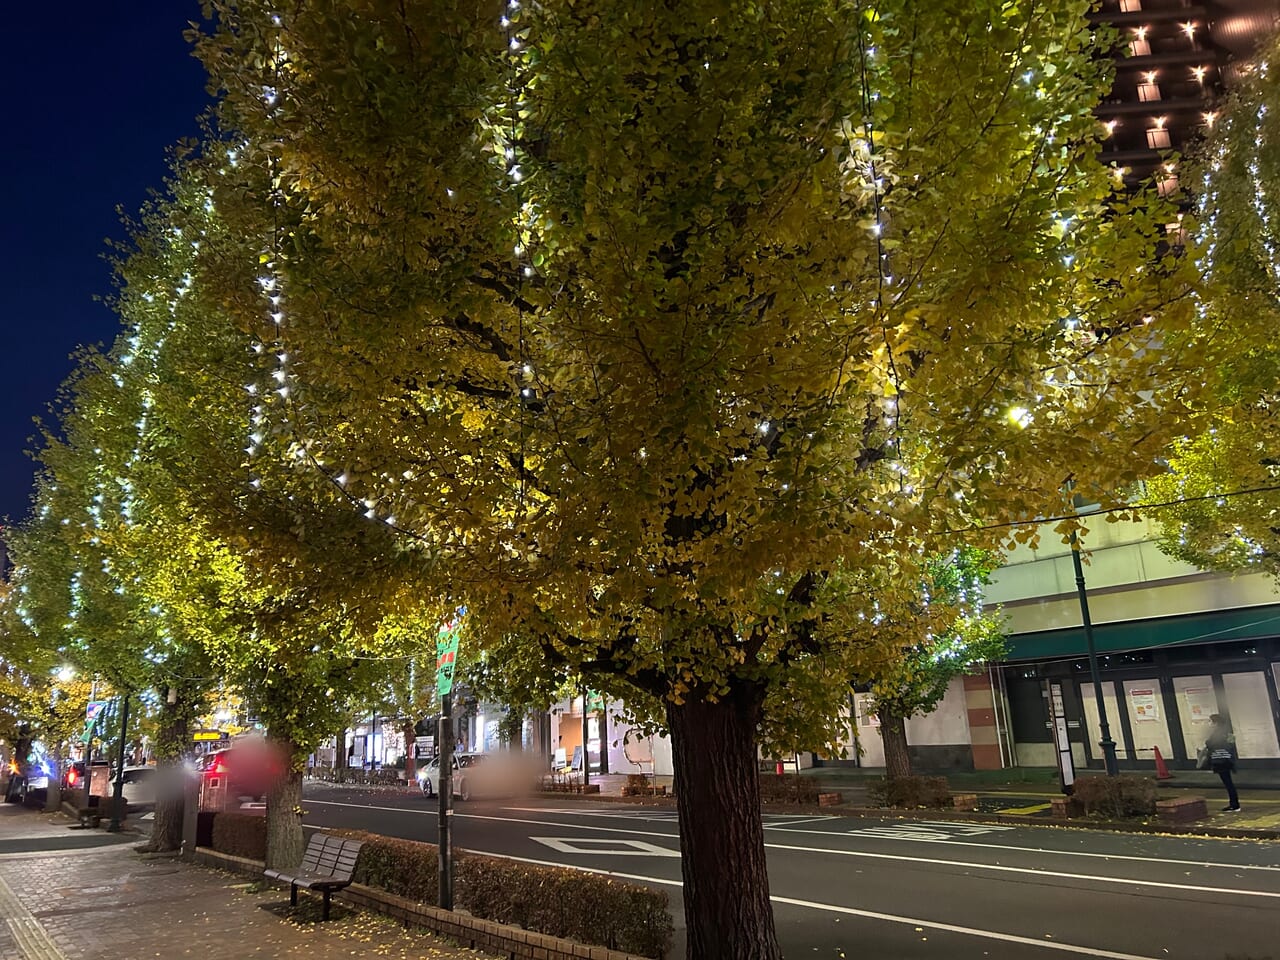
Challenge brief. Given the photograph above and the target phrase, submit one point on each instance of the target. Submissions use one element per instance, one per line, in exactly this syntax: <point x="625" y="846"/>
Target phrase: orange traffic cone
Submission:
<point x="1162" y="770"/>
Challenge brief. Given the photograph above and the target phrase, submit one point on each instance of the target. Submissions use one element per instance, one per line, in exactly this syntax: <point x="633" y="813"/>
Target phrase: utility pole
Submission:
<point x="586" y="756"/>
<point x="1104" y="728"/>
<point x="446" y="802"/>
<point x="117" y="803"/>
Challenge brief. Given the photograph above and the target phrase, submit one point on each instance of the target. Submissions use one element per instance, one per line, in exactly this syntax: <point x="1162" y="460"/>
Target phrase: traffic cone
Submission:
<point x="1162" y="770"/>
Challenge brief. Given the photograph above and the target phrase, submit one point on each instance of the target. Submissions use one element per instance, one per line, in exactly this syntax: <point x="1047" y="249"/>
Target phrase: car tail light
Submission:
<point x="72" y="777"/>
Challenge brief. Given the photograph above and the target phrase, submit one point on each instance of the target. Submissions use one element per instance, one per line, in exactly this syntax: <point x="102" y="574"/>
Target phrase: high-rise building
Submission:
<point x="1173" y="61"/>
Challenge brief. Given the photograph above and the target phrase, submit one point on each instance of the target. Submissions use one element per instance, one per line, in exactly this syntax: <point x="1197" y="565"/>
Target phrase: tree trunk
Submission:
<point x="172" y="747"/>
<point x="726" y="885"/>
<point x="284" y="815"/>
<point x="897" y="758"/>
<point x="340" y="750"/>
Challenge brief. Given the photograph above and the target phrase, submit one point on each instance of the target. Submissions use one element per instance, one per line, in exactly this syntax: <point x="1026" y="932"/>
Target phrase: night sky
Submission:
<point x="91" y="98"/>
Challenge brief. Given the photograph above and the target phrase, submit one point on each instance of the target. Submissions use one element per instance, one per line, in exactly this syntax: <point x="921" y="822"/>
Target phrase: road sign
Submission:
<point x="207" y="736"/>
<point x="446" y="656"/>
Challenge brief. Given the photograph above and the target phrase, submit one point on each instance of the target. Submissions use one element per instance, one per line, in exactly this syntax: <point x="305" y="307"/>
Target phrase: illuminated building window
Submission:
<point x="1158" y="138"/>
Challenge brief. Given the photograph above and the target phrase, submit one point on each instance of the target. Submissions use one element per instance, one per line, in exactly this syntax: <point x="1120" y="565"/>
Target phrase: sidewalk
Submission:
<point x="86" y="895"/>
<point x="1027" y="791"/>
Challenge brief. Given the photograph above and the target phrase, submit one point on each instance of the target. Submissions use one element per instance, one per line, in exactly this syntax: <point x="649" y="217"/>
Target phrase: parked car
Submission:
<point x="138" y="786"/>
<point x="466" y="773"/>
<point x="493" y="775"/>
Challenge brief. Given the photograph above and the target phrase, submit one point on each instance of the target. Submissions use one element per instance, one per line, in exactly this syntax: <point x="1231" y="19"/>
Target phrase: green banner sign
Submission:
<point x="446" y="656"/>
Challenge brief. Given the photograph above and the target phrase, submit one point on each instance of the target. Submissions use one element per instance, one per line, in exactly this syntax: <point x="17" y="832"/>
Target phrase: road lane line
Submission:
<point x="992" y="867"/>
<point x="966" y="931"/>
<point x="1219" y="865"/>
<point x="1058" y="874"/>
<point x="868" y="914"/>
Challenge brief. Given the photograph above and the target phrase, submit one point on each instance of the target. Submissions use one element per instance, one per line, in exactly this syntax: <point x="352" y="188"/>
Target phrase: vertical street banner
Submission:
<point x="446" y="655"/>
<point x="91" y="714"/>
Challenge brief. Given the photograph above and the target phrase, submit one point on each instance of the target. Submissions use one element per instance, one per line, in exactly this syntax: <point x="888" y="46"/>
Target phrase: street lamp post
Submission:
<point x="1104" y="727"/>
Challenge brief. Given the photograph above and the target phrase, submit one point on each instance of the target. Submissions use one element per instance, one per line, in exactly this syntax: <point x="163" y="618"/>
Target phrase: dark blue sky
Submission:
<point x="91" y="98"/>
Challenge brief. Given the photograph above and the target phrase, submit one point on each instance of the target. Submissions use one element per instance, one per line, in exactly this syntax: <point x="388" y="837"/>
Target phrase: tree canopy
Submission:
<point x="1223" y="485"/>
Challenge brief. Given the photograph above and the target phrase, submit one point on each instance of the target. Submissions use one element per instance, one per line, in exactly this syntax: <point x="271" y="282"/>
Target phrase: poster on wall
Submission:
<point x="1143" y="702"/>
<point x="1202" y="703"/>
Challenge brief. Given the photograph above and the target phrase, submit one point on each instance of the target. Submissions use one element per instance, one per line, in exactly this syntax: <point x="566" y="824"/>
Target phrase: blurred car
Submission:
<point x="138" y="786"/>
<point x="466" y="767"/>
<point x="250" y="770"/>
<point x="479" y="775"/>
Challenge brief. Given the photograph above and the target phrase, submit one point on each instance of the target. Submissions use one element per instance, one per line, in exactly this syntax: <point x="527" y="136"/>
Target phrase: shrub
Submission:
<point x="1126" y="796"/>
<point x="910" y="792"/>
<point x="586" y="907"/>
<point x="787" y="788"/>
<point x="240" y="835"/>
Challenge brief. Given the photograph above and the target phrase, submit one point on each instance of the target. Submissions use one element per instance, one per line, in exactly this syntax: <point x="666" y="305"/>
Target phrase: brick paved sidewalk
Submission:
<point x="105" y="902"/>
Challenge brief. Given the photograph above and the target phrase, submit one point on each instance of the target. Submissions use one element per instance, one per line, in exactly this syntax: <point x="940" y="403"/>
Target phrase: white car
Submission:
<point x="139" y="786"/>
<point x="466" y="770"/>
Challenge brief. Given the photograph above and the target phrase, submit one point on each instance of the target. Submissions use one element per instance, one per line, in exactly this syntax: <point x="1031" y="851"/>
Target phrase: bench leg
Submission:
<point x="293" y="894"/>
<point x="324" y="914"/>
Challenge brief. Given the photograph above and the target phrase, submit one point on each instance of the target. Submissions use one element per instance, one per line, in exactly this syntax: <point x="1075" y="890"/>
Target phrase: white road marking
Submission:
<point x="993" y="867"/>
<point x="1058" y="874"/>
<point x="1216" y="864"/>
<point x="632" y="848"/>
<point x="966" y="931"/>
<point x="925" y="830"/>
<point x="870" y="915"/>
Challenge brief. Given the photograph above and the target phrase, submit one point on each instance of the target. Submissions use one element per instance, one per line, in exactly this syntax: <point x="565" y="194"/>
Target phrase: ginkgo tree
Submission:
<point x="238" y="554"/>
<point x="942" y="633"/>
<point x="1222" y="487"/>
<point x="635" y="323"/>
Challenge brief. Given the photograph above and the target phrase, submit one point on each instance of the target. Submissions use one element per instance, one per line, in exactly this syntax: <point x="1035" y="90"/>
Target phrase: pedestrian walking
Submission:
<point x="1221" y="745"/>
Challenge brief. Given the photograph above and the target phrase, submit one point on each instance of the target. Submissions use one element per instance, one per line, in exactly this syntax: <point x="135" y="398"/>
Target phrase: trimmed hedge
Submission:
<point x="587" y="907"/>
<point x="240" y="835"/>
<point x="1124" y="796"/>
<point x="909" y="792"/>
<point x="787" y="788"/>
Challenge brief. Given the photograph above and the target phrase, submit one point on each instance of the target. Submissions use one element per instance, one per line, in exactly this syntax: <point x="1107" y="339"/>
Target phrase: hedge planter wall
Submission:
<point x="240" y="834"/>
<point x="587" y="907"/>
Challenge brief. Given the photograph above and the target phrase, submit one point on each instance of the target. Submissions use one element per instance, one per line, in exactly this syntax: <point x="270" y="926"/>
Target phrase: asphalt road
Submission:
<point x="899" y="890"/>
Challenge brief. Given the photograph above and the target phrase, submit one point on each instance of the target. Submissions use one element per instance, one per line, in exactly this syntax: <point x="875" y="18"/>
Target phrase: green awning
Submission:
<point x="1217" y="626"/>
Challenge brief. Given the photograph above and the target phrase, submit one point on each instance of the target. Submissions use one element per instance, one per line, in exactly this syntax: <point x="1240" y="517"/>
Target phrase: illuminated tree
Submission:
<point x="942" y="633"/>
<point x="1223" y="482"/>
<point x="633" y="324"/>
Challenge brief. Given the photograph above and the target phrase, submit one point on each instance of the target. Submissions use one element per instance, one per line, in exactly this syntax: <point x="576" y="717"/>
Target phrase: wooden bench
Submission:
<point x="327" y="865"/>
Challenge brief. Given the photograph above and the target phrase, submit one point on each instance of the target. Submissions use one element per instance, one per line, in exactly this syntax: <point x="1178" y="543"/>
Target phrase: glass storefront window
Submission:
<point x="1197" y="702"/>
<point x="1147" y="720"/>
<point x="1090" y="706"/>
<point x="1249" y="706"/>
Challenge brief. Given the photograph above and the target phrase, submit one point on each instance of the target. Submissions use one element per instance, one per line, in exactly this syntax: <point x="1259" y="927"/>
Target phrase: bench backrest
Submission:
<point x="330" y="856"/>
